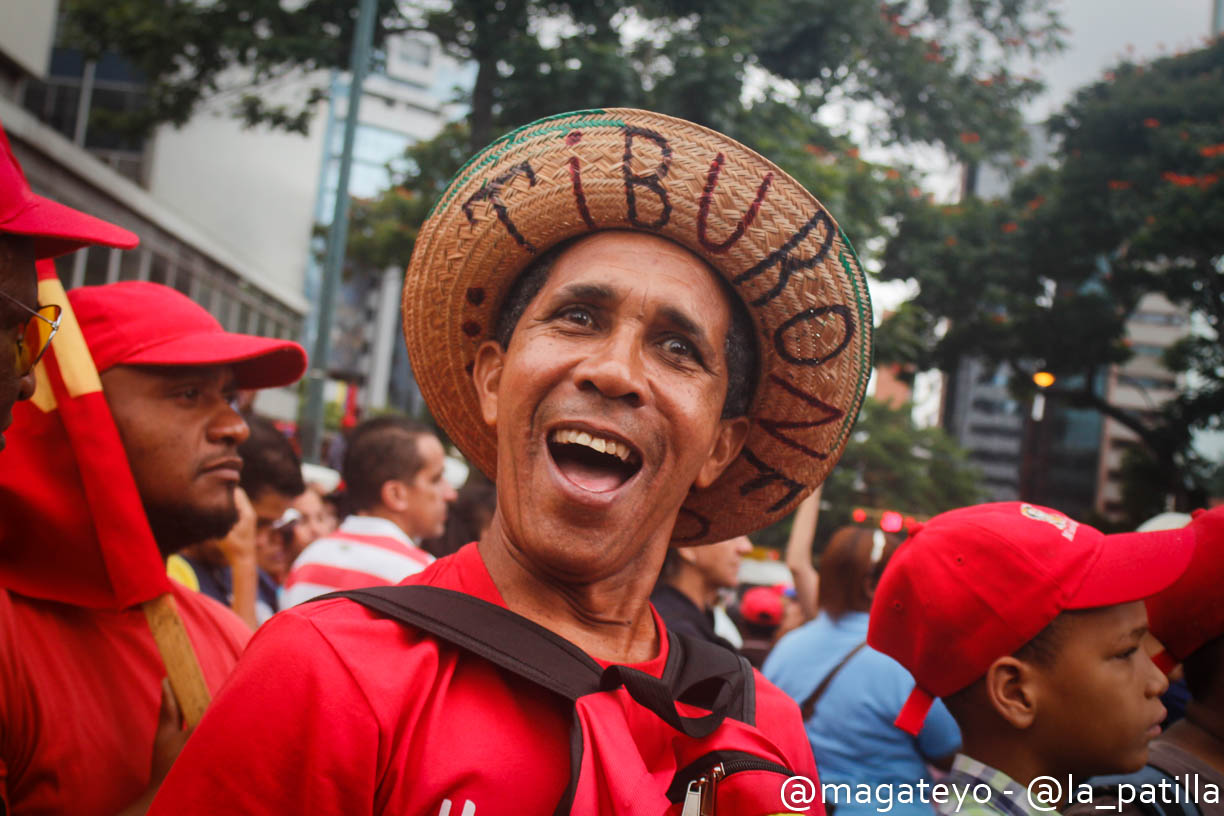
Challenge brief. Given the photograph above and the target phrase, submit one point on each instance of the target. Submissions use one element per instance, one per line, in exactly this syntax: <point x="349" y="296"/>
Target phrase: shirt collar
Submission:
<point x="1007" y="796"/>
<point x="375" y="526"/>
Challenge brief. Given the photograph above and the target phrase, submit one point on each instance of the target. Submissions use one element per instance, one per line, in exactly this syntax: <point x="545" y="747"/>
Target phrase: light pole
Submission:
<point x="337" y="238"/>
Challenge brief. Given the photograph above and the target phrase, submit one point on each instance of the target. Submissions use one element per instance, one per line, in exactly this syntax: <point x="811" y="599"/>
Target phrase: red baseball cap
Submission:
<point x="56" y="229"/>
<point x="762" y="605"/>
<point x="1190" y="613"/>
<point x="975" y="584"/>
<point x="141" y="323"/>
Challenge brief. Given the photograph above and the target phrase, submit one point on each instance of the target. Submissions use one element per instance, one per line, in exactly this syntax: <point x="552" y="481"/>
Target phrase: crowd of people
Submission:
<point x="654" y="343"/>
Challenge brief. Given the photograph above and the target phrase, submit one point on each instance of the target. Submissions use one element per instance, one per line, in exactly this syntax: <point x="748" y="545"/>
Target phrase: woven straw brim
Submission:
<point x="631" y="169"/>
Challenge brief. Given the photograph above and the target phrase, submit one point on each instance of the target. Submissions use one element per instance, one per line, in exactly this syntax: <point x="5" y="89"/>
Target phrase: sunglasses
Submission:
<point x="35" y="335"/>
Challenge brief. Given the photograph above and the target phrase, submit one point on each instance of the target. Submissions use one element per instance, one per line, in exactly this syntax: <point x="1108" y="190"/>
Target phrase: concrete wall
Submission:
<point x="252" y="190"/>
<point x="26" y="30"/>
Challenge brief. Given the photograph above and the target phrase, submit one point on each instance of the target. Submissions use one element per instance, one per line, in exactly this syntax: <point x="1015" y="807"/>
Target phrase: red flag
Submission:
<point x="72" y="527"/>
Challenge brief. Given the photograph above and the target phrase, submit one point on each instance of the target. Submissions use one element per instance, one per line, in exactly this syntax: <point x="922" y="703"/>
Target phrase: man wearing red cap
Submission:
<point x="80" y="672"/>
<point x="33" y="228"/>
<point x="1029" y="626"/>
<point x="1185" y="770"/>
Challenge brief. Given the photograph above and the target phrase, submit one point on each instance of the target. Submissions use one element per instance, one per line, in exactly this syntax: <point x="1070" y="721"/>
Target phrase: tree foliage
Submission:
<point x="1048" y="276"/>
<point x="889" y="464"/>
<point x="936" y="72"/>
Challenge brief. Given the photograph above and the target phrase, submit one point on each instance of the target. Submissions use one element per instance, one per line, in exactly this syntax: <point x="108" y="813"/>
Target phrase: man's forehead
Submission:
<point x="605" y="263"/>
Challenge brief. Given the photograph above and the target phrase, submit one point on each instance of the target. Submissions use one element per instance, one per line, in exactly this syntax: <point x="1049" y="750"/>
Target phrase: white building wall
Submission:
<point x="26" y="30"/>
<point x="250" y="189"/>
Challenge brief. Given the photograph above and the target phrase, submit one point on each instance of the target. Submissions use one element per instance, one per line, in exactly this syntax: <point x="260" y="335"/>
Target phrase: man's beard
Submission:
<point x="182" y="525"/>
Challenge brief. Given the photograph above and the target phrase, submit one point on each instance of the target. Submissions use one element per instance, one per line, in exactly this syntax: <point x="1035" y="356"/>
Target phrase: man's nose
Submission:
<point x="227" y="425"/>
<point x="26" y="385"/>
<point x="1158" y="681"/>
<point x="615" y="368"/>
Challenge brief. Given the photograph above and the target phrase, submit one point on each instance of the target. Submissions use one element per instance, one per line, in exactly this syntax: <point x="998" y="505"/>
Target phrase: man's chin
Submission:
<point x="182" y="526"/>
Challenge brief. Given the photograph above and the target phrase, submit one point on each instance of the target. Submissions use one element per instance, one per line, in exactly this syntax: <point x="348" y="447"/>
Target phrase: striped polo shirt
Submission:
<point x="364" y="551"/>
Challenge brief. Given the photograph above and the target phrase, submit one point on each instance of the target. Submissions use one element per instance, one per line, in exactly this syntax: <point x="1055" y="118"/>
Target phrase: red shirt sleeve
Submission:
<point x="324" y="762"/>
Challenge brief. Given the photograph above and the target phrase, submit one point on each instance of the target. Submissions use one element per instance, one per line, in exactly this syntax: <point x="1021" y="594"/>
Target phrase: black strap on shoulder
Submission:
<point x="493" y="632"/>
<point x="698" y="673"/>
<point x="809" y="705"/>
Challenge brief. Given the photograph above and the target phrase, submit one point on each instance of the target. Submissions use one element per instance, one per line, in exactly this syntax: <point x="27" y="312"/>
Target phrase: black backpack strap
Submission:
<point x="493" y="632"/>
<point x="697" y="672"/>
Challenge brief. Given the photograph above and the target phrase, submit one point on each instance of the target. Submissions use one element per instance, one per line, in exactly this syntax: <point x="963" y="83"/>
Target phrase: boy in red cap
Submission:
<point x="1185" y="770"/>
<point x="1028" y="625"/>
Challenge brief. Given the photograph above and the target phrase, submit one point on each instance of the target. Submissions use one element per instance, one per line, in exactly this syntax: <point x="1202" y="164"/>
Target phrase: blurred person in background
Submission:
<point x="850" y="694"/>
<point x="760" y="612"/>
<point x="468" y="517"/>
<point x="394" y="481"/>
<point x="689" y="584"/>
<point x="316" y="519"/>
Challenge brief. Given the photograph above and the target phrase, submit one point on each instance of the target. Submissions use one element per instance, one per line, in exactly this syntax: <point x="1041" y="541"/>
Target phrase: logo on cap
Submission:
<point x="1060" y="521"/>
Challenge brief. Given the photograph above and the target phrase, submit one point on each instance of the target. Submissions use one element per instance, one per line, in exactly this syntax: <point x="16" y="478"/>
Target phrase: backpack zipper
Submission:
<point x="700" y="797"/>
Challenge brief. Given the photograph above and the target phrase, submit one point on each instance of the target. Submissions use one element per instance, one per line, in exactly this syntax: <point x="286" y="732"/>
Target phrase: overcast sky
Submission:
<point x="1101" y="31"/>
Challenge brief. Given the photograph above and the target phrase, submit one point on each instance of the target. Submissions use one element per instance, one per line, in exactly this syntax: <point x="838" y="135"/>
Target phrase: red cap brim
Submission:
<point x="1134" y="566"/>
<point x="58" y="229"/>
<point x="259" y="362"/>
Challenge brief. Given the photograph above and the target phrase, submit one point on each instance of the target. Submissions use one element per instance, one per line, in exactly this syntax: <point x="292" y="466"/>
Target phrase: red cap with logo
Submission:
<point x="56" y="229"/>
<point x="1190" y="613"/>
<point x="141" y="323"/>
<point x="975" y="584"/>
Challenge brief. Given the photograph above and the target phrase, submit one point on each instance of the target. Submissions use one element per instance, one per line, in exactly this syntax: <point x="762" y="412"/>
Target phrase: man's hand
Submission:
<point x="168" y="742"/>
<point x="239" y="549"/>
<point x="239" y="544"/>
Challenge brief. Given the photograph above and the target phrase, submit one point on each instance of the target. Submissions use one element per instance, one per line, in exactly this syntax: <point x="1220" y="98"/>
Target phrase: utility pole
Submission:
<point x="1217" y="18"/>
<point x="337" y="239"/>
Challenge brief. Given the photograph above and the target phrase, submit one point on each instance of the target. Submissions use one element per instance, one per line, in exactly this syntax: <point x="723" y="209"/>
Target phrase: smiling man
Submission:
<point x="649" y="336"/>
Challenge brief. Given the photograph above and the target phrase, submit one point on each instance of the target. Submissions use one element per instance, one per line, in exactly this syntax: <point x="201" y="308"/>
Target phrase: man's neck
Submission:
<point x="607" y="618"/>
<point x="1200" y="733"/>
<point x="388" y="515"/>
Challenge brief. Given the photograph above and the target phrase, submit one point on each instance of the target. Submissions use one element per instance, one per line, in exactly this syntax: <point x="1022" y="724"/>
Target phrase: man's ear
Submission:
<point x="394" y="495"/>
<point x="686" y="554"/>
<point x="1014" y="689"/>
<point x="727" y="444"/>
<point x="486" y="376"/>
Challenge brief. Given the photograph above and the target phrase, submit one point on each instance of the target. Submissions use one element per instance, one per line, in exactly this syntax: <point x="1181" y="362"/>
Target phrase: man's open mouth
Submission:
<point x="595" y="463"/>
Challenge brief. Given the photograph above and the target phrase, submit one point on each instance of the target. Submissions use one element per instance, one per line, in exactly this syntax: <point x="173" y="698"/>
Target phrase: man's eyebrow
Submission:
<point x="594" y="292"/>
<point x="684" y="323"/>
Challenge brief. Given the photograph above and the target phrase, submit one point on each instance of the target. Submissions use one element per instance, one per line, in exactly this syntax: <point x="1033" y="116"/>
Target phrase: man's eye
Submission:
<point x="578" y="315"/>
<point x="189" y="393"/>
<point x="679" y="347"/>
<point x="1126" y="655"/>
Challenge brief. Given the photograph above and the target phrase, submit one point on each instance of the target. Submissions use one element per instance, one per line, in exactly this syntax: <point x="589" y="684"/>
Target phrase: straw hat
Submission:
<point x="620" y="168"/>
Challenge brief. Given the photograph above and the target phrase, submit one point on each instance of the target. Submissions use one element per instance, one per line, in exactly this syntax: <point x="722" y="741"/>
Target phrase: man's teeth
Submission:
<point x="571" y="437"/>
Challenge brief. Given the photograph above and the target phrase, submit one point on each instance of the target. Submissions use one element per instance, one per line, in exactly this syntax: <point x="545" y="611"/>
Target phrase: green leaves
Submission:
<point x="1050" y="273"/>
